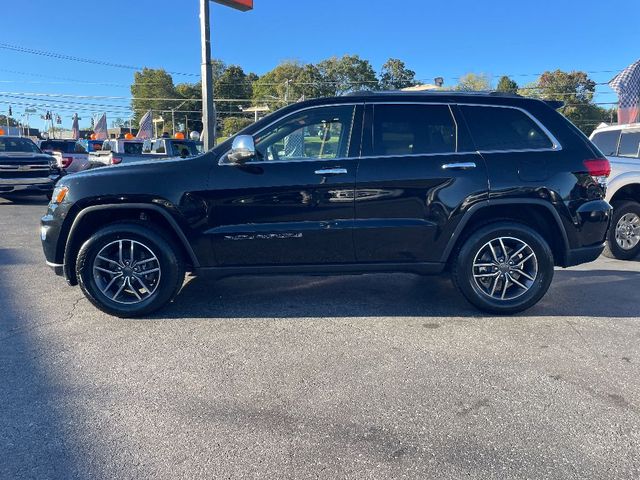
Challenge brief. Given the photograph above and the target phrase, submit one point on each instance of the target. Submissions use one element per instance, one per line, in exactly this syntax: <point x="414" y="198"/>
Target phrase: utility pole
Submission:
<point x="208" y="103"/>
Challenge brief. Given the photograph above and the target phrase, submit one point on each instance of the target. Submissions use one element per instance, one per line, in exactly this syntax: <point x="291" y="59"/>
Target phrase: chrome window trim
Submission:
<point x="556" y="145"/>
<point x="295" y="112"/>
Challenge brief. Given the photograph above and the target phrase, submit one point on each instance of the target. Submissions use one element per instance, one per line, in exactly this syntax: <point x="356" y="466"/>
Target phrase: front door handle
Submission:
<point x="331" y="171"/>
<point x="459" y="166"/>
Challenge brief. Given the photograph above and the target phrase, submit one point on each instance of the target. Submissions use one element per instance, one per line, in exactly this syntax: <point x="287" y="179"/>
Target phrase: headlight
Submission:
<point x="59" y="194"/>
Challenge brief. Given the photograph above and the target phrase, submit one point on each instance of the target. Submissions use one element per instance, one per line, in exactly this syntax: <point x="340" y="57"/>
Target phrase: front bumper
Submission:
<point x="28" y="185"/>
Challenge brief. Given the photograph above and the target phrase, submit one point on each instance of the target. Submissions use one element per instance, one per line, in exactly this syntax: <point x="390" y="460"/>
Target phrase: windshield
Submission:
<point x="58" y="146"/>
<point x="18" y="145"/>
<point x="133" y="148"/>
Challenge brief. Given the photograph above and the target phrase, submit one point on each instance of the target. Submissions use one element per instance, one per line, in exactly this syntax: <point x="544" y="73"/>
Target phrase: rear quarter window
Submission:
<point x="504" y="128"/>
<point x="607" y="142"/>
<point x="629" y="144"/>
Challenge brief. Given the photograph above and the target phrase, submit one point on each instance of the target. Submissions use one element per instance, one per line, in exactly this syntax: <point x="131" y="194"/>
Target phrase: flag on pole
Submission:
<point x="146" y="126"/>
<point x="101" y="128"/>
<point x="75" y="128"/>
<point x="627" y="85"/>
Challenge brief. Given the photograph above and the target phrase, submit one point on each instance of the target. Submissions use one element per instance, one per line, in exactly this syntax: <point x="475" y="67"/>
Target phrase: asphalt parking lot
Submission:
<point x="376" y="376"/>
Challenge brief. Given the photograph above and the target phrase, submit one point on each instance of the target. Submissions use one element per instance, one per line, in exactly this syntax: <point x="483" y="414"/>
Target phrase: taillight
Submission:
<point x="66" y="162"/>
<point x="598" y="167"/>
<point x="116" y="160"/>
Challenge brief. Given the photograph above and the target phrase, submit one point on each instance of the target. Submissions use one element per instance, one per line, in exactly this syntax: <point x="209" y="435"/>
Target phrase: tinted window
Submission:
<point x="319" y="133"/>
<point x="629" y="144"/>
<point x="496" y="128"/>
<point x="607" y="142"/>
<point x="58" y="146"/>
<point x="133" y="148"/>
<point x="413" y="129"/>
<point x="79" y="148"/>
<point x="18" y="145"/>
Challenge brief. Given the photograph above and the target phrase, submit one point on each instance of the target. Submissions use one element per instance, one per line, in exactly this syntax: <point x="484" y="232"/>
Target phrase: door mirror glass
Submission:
<point x="243" y="149"/>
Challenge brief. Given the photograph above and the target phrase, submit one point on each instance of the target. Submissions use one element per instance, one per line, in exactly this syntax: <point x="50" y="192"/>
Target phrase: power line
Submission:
<point x="16" y="48"/>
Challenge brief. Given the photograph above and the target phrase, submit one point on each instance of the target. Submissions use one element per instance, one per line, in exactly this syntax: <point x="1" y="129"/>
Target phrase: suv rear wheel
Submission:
<point x="623" y="239"/>
<point x="129" y="269"/>
<point x="503" y="268"/>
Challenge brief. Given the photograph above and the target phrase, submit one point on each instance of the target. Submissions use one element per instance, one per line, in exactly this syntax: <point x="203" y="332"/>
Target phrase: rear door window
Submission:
<point x="503" y="129"/>
<point x="413" y="130"/>
<point x="607" y="142"/>
<point x="629" y="144"/>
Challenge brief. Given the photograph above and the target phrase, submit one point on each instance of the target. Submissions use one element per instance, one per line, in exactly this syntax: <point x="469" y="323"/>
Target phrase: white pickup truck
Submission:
<point x="621" y="145"/>
<point x="115" y="152"/>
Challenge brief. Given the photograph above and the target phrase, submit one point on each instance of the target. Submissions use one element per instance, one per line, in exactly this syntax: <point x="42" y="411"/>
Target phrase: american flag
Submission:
<point x="146" y="126"/>
<point x="627" y="85"/>
<point x="101" y="128"/>
<point x="75" y="128"/>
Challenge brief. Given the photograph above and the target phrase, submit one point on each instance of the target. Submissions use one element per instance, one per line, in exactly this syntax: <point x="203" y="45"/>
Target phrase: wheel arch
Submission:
<point x="89" y="219"/>
<point x="628" y="192"/>
<point x="543" y="217"/>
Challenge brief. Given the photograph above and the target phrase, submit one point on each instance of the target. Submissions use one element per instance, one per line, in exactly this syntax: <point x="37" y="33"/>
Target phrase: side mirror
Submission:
<point x="242" y="150"/>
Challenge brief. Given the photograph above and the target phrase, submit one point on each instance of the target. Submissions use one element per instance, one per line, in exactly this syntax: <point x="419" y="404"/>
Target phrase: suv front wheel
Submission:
<point x="129" y="269"/>
<point x="503" y="268"/>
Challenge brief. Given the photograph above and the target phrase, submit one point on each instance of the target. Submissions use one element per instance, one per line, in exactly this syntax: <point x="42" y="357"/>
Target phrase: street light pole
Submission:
<point x="208" y="104"/>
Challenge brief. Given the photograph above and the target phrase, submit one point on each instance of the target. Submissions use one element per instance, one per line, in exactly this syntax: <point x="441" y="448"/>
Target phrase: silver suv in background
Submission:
<point x="621" y="145"/>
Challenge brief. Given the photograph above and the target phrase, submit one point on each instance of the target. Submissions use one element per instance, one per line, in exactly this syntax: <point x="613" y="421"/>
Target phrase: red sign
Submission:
<point x="243" y="5"/>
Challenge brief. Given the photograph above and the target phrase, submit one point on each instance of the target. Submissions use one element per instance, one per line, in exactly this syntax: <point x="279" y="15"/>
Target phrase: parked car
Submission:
<point x="115" y="152"/>
<point x="621" y="145"/>
<point x="24" y="169"/>
<point x="173" y="147"/>
<point x="496" y="189"/>
<point x="71" y="156"/>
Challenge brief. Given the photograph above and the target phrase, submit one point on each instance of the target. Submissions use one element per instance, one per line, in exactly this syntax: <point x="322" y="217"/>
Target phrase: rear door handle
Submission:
<point x="459" y="166"/>
<point x="331" y="171"/>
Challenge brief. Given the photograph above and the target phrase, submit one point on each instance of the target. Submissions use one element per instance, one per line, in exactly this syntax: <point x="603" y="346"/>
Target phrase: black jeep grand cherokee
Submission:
<point x="497" y="189"/>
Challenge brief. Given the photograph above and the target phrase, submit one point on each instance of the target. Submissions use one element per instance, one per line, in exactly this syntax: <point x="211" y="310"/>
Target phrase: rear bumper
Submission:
<point x="583" y="255"/>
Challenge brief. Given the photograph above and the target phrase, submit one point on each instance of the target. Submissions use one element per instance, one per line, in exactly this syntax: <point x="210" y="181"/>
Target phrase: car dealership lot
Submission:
<point x="316" y="377"/>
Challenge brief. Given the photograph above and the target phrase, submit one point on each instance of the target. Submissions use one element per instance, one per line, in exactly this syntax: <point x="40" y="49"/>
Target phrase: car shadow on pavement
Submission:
<point x="34" y="430"/>
<point x="23" y="200"/>
<point x="599" y="293"/>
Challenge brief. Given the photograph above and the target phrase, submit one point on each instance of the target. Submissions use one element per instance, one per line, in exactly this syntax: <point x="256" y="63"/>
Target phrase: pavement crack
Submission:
<point x="68" y="317"/>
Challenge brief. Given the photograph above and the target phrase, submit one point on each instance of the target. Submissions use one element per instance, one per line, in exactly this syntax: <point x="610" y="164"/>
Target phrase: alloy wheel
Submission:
<point x="126" y="271"/>
<point x="628" y="231"/>
<point x="505" y="268"/>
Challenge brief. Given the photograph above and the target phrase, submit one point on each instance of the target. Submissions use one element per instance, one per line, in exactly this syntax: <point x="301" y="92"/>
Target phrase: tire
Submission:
<point x="626" y="249"/>
<point x="481" y="278"/>
<point x="153" y="253"/>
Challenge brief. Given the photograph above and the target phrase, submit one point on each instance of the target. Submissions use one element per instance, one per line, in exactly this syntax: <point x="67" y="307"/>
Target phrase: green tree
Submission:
<point x="152" y="89"/>
<point x="287" y="83"/>
<point x="346" y="74"/>
<point x="507" y="85"/>
<point x="576" y="90"/>
<point x="472" y="82"/>
<point x="232" y="125"/>
<point x="233" y="84"/>
<point x="395" y="75"/>
<point x="189" y="112"/>
<point x="3" y="121"/>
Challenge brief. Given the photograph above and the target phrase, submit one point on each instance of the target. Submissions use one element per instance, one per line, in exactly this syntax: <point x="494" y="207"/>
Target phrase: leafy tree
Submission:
<point x="3" y="121"/>
<point x="395" y="75"/>
<point x="232" y="125"/>
<point x="151" y="90"/>
<point x="576" y="90"/>
<point x="189" y="112"/>
<point x="347" y="74"/>
<point x="232" y="84"/>
<point x="287" y="83"/>
<point x="472" y="82"/>
<point x="507" y="85"/>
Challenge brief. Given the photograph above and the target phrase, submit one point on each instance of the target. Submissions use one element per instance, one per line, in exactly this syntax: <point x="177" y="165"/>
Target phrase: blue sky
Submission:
<point x="441" y="38"/>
